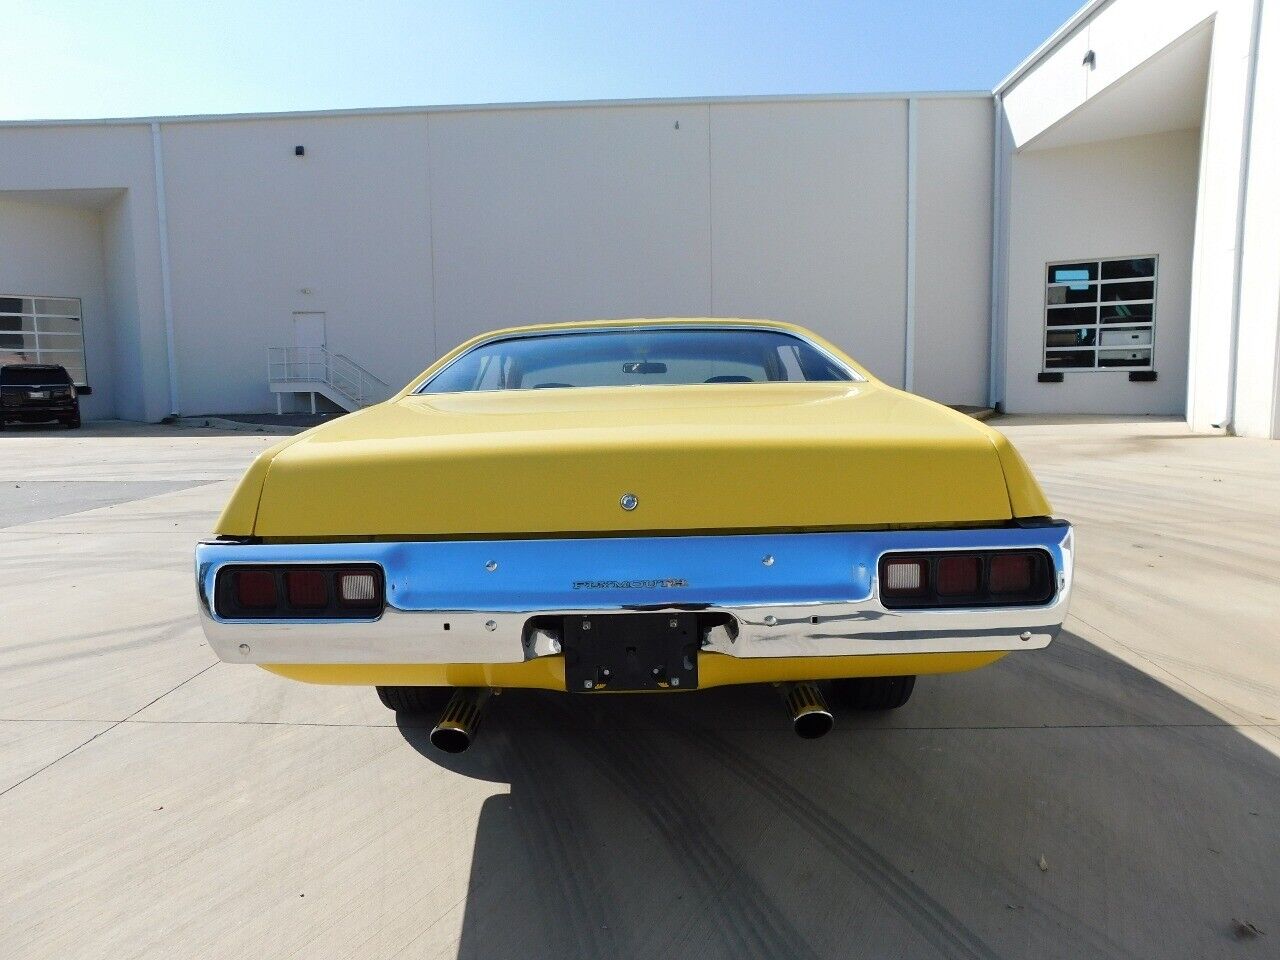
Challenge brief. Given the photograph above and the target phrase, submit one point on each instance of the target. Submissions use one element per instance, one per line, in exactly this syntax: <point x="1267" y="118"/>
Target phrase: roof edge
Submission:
<point x="1055" y="39"/>
<point x="517" y="105"/>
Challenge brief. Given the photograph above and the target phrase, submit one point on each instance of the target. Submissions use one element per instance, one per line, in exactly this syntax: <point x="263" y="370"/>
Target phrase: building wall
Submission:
<point x="251" y="226"/>
<point x="809" y="221"/>
<point x="415" y="231"/>
<point x="55" y="250"/>
<point x="124" y="313"/>
<point x="1122" y="35"/>
<point x="69" y="159"/>
<point x="568" y="214"/>
<point x="1119" y="198"/>
<point x="953" y="289"/>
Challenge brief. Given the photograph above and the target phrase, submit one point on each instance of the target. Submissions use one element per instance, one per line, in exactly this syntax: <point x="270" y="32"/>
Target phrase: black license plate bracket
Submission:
<point x="631" y="651"/>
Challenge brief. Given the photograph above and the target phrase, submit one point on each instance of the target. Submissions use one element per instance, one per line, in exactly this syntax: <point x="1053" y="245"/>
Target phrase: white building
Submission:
<point x="1097" y="235"/>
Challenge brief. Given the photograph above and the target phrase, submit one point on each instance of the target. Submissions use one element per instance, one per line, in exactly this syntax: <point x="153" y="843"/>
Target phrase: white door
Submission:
<point x="308" y="334"/>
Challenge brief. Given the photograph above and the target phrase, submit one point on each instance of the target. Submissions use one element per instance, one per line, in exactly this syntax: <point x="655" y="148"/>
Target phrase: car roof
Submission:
<point x="624" y="322"/>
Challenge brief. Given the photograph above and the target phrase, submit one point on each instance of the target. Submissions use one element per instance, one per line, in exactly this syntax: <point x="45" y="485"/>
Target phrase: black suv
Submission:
<point x="36" y="392"/>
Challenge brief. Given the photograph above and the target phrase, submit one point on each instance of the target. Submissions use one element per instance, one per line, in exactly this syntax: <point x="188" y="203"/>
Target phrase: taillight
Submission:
<point x="308" y="589"/>
<point x="1011" y="573"/>
<point x="299" y="591"/>
<point x="906" y="578"/>
<point x="357" y="589"/>
<point x="255" y="589"/>
<point x="987" y="578"/>
<point x="959" y="575"/>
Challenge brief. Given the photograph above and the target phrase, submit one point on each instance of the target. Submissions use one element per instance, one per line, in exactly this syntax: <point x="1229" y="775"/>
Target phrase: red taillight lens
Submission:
<point x="307" y="589"/>
<point x="1011" y="573"/>
<point x="256" y="589"/>
<point x="905" y="578"/>
<point x="958" y="575"/>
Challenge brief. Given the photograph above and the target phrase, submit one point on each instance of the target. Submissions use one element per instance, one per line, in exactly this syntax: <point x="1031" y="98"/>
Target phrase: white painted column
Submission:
<point x="1000" y="149"/>
<point x="1256" y="393"/>
<point x="1215" y="347"/>
<point x="162" y="223"/>
<point x="909" y="352"/>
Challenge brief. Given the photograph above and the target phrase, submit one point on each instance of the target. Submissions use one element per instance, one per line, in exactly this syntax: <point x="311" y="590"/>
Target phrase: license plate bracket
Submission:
<point x="631" y="651"/>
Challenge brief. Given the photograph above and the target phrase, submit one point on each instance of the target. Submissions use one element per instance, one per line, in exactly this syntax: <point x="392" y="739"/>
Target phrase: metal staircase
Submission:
<point x="317" y="371"/>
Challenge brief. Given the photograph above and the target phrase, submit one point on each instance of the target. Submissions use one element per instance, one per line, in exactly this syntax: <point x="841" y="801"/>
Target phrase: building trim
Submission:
<point x="909" y="351"/>
<point x="166" y="287"/>
<point x="1228" y="420"/>
<point x="1054" y="41"/>
<point x="995" y="351"/>
<point x="483" y="107"/>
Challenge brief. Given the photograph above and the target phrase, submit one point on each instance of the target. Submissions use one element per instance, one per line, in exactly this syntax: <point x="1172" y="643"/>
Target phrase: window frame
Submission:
<point x="1097" y="304"/>
<point x="40" y="337"/>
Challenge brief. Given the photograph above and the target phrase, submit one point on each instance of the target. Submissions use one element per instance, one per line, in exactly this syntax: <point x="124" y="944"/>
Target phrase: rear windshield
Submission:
<point x="33" y="376"/>
<point x="637" y="357"/>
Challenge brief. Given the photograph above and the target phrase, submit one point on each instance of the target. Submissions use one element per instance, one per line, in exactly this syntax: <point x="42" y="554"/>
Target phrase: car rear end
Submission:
<point x="614" y="539"/>
<point x="38" y="393"/>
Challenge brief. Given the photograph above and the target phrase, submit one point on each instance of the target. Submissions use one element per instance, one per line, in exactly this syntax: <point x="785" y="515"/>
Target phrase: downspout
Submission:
<point x="162" y="225"/>
<point x="1228" y="420"/>
<point x="995" y="371"/>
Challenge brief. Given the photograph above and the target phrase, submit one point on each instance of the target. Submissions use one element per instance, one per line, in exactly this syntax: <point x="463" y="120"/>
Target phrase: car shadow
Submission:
<point x="1057" y="804"/>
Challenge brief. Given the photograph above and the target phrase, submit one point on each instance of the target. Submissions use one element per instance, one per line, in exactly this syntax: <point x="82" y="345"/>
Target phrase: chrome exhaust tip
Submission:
<point x="810" y="718"/>
<point x="460" y="720"/>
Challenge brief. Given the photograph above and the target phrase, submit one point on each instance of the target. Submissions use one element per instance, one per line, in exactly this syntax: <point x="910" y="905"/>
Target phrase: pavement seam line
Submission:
<point x="109" y="506"/>
<point x="57" y="760"/>
<point x="1161" y="667"/>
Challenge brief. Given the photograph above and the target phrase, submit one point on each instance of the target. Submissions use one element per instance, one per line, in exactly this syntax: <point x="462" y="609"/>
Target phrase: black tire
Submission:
<point x="415" y="701"/>
<point x="873" y="693"/>
<point x="73" y="423"/>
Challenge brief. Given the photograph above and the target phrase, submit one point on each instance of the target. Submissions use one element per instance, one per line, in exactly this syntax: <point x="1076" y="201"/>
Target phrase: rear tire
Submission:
<point x="73" y="423"/>
<point x="873" y="693"/>
<point x="415" y="701"/>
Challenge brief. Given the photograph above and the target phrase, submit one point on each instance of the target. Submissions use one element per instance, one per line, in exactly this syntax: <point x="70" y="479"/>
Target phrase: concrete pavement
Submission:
<point x="155" y="803"/>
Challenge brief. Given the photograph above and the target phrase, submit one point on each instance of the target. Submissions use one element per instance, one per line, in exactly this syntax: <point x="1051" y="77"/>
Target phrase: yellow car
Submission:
<point x="636" y="505"/>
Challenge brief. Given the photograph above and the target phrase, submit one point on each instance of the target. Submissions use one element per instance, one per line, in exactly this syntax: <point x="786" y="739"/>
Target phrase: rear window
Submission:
<point x="33" y="376"/>
<point x="637" y="357"/>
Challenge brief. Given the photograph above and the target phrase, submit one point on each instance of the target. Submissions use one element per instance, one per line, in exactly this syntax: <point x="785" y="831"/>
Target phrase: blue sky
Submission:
<point x="98" y="58"/>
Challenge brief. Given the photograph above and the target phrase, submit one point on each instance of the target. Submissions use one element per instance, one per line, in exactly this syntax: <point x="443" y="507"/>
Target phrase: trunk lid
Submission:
<point x="704" y="457"/>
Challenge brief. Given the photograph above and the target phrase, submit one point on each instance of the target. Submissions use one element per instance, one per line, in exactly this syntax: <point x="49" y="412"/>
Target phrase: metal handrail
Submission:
<point x="319" y="365"/>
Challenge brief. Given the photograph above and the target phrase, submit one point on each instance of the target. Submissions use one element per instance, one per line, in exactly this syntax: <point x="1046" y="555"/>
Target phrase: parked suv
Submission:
<point x="38" y="392"/>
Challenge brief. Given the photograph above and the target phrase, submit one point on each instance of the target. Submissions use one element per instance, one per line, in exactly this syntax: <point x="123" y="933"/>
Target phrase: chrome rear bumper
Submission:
<point x="782" y="595"/>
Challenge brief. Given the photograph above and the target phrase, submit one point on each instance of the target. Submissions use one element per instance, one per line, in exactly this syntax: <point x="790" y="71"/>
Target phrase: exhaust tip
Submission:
<point x="810" y="718"/>
<point x="457" y="726"/>
<point x="450" y="738"/>
<point x="813" y="724"/>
